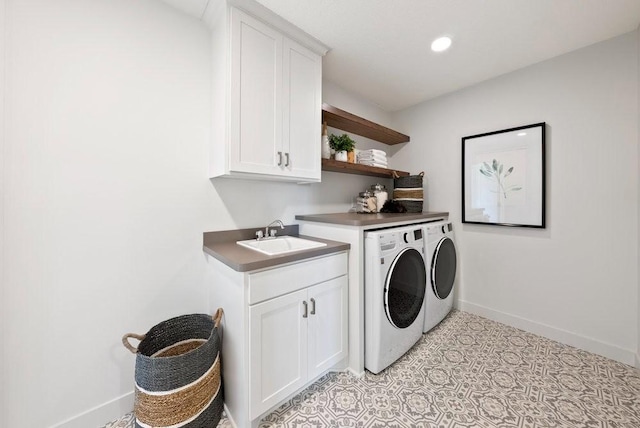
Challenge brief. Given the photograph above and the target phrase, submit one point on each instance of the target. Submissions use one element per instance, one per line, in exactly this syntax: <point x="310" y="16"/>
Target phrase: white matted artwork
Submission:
<point x="503" y="177"/>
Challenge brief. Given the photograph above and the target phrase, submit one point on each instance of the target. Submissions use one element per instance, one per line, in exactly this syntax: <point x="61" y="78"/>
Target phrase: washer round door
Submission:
<point x="443" y="268"/>
<point x="405" y="287"/>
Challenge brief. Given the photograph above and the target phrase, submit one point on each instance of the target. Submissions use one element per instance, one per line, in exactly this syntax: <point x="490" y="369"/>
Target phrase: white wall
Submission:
<point x="107" y="197"/>
<point x="341" y="98"/>
<point x="105" y="202"/>
<point x="344" y="100"/>
<point x="3" y="323"/>
<point x="638" y="314"/>
<point x="576" y="280"/>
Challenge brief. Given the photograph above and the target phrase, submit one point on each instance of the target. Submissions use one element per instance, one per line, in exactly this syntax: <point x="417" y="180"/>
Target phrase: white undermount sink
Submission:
<point x="280" y="245"/>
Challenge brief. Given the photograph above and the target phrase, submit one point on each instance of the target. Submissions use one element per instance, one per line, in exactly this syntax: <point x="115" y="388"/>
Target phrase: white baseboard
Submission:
<point x="229" y="417"/>
<point x="638" y="361"/>
<point x="100" y="415"/>
<point x="572" y="339"/>
<point x="354" y="373"/>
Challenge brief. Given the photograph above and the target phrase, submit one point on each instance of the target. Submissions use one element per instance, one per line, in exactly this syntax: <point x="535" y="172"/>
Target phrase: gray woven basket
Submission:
<point x="411" y="206"/>
<point x="407" y="191"/>
<point x="408" y="181"/>
<point x="179" y="357"/>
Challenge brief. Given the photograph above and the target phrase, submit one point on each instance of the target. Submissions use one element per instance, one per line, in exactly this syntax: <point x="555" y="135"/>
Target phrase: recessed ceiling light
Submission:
<point x="522" y="134"/>
<point x="441" y="44"/>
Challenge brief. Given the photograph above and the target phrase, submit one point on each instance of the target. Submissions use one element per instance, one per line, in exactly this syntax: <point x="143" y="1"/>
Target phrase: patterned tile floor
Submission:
<point x="471" y="372"/>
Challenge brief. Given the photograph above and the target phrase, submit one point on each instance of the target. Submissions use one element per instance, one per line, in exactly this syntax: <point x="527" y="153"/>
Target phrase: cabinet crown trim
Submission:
<point x="267" y="16"/>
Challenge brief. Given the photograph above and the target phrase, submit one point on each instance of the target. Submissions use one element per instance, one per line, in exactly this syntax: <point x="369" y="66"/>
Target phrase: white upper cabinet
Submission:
<point x="302" y="110"/>
<point x="267" y="96"/>
<point x="255" y="102"/>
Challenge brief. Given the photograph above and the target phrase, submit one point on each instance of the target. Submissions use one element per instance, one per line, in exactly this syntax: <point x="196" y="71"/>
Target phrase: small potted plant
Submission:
<point x="342" y="144"/>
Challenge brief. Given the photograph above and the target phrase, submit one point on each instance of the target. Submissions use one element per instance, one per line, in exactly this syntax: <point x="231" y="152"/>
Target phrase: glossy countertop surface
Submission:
<point x="355" y="219"/>
<point x="223" y="247"/>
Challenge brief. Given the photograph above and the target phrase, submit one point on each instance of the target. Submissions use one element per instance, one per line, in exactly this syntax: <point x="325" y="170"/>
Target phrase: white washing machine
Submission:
<point x="441" y="266"/>
<point x="394" y="289"/>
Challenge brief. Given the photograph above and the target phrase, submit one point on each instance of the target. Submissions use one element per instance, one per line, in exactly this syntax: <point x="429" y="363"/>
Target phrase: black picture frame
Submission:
<point x="504" y="177"/>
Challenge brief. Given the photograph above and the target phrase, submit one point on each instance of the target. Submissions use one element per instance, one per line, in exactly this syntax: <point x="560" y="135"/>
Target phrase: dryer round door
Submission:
<point x="405" y="287"/>
<point x="443" y="268"/>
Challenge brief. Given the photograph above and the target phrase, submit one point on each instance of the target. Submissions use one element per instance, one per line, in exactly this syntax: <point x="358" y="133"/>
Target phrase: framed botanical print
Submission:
<point x="503" y="177"/>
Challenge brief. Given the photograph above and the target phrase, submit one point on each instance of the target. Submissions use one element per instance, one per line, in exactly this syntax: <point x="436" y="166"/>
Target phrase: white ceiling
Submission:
<point x="380" y="49"/>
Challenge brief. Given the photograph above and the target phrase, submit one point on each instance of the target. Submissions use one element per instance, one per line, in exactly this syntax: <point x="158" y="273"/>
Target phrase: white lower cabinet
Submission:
<point x="328" y="325"/>
<point x="295" y="338"/>
<point x="277" y="349"/>
<point x="282" y="328"/>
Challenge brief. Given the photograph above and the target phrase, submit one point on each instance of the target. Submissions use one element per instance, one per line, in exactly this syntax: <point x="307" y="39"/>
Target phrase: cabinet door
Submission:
<point x="277" y="350"/>
<point x="328" y="326"/>
<point x="255" y="134"/>
<point x="302" y="104"/>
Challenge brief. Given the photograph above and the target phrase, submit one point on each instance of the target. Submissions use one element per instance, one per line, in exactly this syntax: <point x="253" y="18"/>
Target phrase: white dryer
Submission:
<point x="441" y="265"/>
<point x="394" y="289"/>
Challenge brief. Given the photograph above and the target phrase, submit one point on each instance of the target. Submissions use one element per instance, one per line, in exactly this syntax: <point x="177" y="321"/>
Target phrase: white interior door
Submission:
<point x="328" y="325"/>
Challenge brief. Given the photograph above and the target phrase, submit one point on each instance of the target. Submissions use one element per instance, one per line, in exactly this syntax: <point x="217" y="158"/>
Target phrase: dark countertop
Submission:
<point x="222" y="246"/>
<point x="355" y="219"/>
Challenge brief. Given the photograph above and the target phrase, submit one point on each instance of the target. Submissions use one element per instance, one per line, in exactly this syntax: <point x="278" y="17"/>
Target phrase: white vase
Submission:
<point x="326" y="150"/>
<point x="341" y="156"/>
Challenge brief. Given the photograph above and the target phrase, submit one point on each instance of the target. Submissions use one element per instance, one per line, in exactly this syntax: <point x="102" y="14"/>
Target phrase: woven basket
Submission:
<point x="408" y="192"/>
<point x="408" y="181"/>
<point x="177" y="374"/>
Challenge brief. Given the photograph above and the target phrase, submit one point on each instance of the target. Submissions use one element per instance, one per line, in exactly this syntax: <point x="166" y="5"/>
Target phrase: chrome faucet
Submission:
<point x="273" y="231"/>
<point x="269" y="234"/>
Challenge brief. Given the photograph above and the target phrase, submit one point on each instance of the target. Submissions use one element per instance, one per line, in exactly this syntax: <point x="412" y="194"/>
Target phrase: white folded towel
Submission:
<point x="370" y="163"/>
<point x="373" y="157"/>
<point x="373" y="152"/>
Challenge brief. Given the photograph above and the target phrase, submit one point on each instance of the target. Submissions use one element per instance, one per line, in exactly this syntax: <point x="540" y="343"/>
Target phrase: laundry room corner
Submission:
<point x="545" y="279"/>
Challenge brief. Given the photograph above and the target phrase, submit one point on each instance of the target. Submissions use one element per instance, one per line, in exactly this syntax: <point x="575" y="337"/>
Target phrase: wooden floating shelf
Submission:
<point x="346" y="121"/>
<point x="356" y="168"/>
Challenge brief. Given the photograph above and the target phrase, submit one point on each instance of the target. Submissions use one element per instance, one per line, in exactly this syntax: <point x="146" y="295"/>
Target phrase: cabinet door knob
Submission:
<point x="286" y="155"/>
<point x="304" y="314"/>
<point x="313" y="306"/>
<point x="279" y="158"/>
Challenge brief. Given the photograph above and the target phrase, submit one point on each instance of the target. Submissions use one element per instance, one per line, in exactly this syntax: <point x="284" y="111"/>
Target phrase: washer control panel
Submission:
<point x="393" y="239"/>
